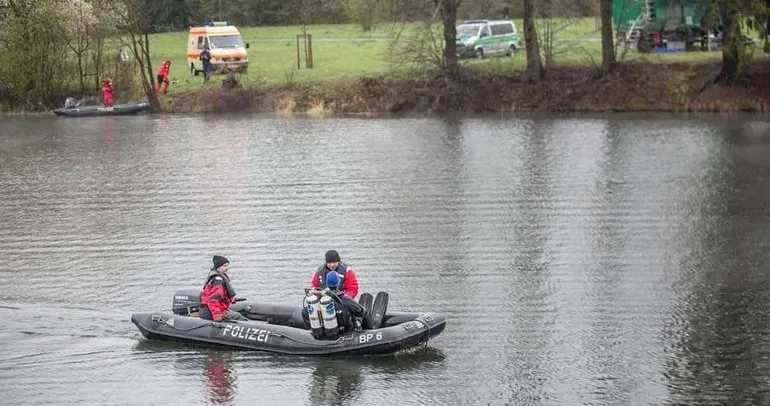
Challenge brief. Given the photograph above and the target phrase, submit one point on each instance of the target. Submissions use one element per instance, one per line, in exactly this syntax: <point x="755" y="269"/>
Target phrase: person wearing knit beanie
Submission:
<point x="218" y="294"/>
<point x="348" y="281"/>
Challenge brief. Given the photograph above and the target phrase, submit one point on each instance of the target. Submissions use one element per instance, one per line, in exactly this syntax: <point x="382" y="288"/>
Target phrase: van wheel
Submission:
<point x="193" y="71"/>
<point x="479" y="53"/>
<point x="512" y="50"/>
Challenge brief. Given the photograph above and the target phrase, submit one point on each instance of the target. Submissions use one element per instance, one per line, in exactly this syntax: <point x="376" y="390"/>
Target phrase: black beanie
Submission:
<point x="219" y="261"/>
<point x="332" y="256"/>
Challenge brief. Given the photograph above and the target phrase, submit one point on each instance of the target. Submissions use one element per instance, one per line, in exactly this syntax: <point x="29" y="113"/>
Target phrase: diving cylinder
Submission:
<point x="329" y="316"/>
<point x="313" y="313"/>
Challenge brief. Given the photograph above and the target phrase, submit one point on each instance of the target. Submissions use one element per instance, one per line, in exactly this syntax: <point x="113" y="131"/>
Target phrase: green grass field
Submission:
<point x="342" y="51"/>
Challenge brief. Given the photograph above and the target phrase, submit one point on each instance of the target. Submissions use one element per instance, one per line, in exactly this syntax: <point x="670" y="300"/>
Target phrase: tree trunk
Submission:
<point x="137" y="25"/>
<point x="148" y="60"/>
<point x="137" y="47"/>
<point x="732" y="45"/>
<point x="608" y="46"/>
<point x="767" y="29"/>
<point x="534" y="63"/>
<point x="97" y="59"/>
<point x="449" y="19"/>
<point x="81" y="72"/>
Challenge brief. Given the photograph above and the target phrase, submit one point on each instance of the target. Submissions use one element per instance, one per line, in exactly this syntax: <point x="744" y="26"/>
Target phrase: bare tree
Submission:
<point x="555" y="17"/>
<point x="105" y="27"/>
<point x="135" y="22"/>
<point x="416" y="48"/>
<point x="81" y="21"/>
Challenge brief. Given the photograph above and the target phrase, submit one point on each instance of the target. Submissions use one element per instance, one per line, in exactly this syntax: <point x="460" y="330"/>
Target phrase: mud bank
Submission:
<point x="633" y="87"/>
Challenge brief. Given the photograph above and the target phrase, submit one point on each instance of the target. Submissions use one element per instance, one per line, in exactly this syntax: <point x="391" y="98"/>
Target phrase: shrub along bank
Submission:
<point x="635" y="86"/>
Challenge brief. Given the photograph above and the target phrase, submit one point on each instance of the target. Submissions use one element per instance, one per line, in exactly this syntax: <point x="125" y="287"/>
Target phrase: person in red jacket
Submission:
<point x="347" y="275"/>
<point x="218" y="294"/>
<point x="163" y="72"/>
<point x="107" y="90"/>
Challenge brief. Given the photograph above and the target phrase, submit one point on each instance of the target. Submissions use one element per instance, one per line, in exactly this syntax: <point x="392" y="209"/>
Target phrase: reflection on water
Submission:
<point x="718" y="347"/>
<point x="333" y="380"/>
<point x="591" y="260"/>
<point x="220" y="379"/>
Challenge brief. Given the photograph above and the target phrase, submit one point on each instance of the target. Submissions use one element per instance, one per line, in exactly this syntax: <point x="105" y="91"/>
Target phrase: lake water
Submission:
<point x="579" y="260"/>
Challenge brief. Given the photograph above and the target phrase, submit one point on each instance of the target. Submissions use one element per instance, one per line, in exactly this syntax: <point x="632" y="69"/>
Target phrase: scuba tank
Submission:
<point x="331" y="327"/>
<point x="313" y="313"/>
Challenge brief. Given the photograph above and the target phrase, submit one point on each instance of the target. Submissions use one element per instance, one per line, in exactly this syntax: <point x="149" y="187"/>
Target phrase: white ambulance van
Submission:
<point x="228" y="52"/>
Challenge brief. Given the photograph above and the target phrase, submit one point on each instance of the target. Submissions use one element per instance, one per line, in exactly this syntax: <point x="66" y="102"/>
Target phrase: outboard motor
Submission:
<point x="187" y="302"/>
<point x="313" y="310"/>
<point x="331" y="327"/>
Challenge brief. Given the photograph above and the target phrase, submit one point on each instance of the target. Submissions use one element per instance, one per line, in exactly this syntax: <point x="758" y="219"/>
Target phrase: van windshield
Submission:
<point x="225" y="41"/>
<point x="467" y="30"/>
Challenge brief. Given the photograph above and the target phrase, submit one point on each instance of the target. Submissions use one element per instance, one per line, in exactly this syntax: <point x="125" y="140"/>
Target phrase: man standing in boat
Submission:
<point x="107" y="89"/>
<point x="348" y="282"/>
<point x="218" y="294"/>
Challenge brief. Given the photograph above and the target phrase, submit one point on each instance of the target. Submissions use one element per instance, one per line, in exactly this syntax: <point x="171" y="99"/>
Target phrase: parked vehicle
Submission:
<point x="479" y="38"/>
<point x="666" y="26"/>
<point x="228" y="51"/>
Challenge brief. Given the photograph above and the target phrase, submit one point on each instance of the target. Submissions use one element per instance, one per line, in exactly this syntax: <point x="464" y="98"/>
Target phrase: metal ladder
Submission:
<point x="635" y="30"/>
<point x="633" y="33"/>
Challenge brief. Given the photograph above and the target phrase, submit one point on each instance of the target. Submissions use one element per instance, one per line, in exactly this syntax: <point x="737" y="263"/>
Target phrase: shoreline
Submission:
<point x="673" y="87"/>
<point x="635" y="87"/>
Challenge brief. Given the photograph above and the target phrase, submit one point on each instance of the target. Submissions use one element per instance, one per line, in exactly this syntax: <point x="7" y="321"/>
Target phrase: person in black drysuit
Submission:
<point x="205" y="58"/>
<point x="353" y="314"/>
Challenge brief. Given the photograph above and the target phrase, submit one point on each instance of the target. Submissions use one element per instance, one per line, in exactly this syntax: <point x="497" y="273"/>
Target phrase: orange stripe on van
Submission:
<point x="221" y="30"/>
<point x="219" y="55"/>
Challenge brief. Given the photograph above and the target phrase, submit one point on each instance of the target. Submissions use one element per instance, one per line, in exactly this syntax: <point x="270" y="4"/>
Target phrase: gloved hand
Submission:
<point x="218" y="317"/>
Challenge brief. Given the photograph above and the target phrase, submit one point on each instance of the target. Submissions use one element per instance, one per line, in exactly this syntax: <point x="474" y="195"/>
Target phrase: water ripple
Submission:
<point x="578" y="260"/>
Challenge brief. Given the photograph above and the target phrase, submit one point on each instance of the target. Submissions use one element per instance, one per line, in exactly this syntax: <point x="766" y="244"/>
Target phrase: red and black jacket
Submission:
<point x="107" y="87"/>
<point x="218" y="294"/>
<point x="348" y="279"/>
<point x="163" y="71"/>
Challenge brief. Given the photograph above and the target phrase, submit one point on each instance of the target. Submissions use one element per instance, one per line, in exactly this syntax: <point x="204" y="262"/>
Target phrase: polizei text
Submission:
<point x="246" y="333"/>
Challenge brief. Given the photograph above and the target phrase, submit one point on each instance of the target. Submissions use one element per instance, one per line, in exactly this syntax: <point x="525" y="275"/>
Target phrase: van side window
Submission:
<point x="200" y="42"/>
<point x="484" y="31"/>
<point x="501" y="29"/>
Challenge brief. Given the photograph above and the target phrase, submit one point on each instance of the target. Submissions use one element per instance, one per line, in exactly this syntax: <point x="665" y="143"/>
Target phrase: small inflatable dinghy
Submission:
<point x="116" y="110"/>
<point x="282" y="329"/>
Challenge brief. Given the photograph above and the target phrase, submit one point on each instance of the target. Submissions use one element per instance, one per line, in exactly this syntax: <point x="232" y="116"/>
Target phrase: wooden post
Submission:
<point x="307" y="44"/>
<point x="310" y="49"/>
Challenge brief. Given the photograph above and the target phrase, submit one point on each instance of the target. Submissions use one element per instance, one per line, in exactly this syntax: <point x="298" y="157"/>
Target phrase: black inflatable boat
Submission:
<point x="281" y="329"/>
<point x="117" y="110"/>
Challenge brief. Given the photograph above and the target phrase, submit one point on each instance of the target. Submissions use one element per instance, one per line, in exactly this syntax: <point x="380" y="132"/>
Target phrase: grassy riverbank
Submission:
<point x="345" y="51"/>
<point x="637" y="86"/>
<point x="355" y="73"/>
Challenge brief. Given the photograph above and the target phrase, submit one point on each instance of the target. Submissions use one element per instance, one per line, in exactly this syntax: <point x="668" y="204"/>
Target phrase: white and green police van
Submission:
<point x="479" y="38"/>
